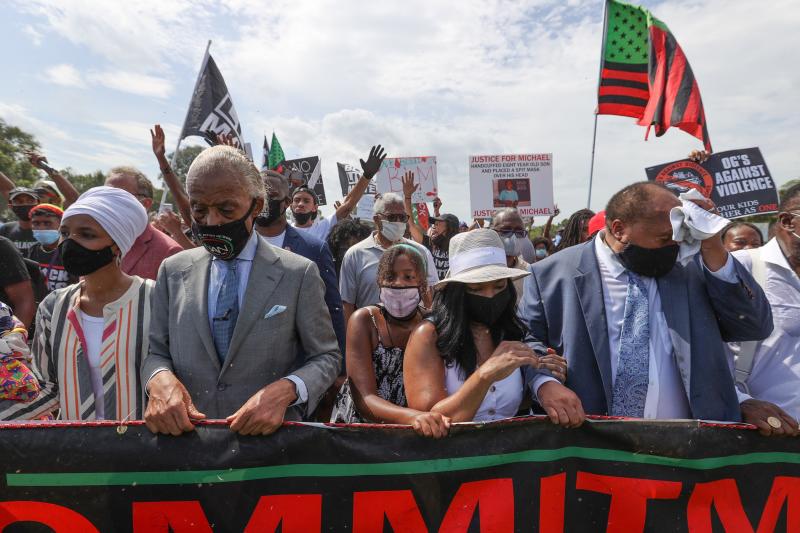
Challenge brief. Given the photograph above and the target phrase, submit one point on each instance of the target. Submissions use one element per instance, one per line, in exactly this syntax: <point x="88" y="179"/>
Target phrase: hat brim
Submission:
<point x="483" y="274"/>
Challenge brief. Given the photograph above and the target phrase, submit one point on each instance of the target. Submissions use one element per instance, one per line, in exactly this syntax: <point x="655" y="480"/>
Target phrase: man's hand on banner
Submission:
<point x="409" y="187"/>
<point x="157" y="138"/>
<point x="699" y="156"/>
<point x="170" y="409"/>
<point x="432" y="425"/>
<point x="263" y="413"/>
<point x="373" y="164"/>
<point x="768" y="418"/>
<point x="556" y="364"/>
<point x="561" y="404"/>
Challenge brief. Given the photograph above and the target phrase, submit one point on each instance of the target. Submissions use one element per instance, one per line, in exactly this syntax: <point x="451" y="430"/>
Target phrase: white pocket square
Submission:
<point x="276" y="310"/>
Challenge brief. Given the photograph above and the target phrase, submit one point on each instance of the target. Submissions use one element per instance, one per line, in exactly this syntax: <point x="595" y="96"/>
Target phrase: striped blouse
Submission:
<point x="60" y="363"/>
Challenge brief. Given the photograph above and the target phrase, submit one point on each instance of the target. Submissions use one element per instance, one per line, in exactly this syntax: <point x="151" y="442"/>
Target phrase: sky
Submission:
<point x="420" y="77"/>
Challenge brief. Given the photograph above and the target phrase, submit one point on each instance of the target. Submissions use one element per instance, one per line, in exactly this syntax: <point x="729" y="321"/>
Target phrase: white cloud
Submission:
<point x="34" y="34"/>
<point x="440" y="79"/>
<point x="19" y="116"/>
<point x="65" y="75"/>
<point x="132" y="82"/>
<point x="138" y="133"/>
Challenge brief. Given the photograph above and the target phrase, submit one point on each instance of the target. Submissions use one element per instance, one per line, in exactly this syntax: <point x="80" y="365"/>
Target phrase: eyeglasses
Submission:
<point x="507" y="234"/>
<point x="396" y="217"/>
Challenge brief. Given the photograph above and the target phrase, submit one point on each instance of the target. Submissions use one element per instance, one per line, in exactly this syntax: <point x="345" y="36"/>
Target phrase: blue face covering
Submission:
<point x="46" y="236"/>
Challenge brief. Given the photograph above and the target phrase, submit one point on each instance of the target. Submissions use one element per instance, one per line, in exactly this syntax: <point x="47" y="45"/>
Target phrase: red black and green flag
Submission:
<point x="645" y="74"/>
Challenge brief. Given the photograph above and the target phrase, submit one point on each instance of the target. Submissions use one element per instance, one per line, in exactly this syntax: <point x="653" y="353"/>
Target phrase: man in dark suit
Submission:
<point x="642" y="333"/>
<point x="278" y="232"/>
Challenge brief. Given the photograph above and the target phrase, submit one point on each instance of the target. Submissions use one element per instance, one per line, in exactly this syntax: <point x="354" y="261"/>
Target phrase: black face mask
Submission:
<point x="649" y="262"/>
<point x="81" y="261"/>
<point x="224" y="241"/>
<point x="273" y="212"/>
<point x="22" y="212"/>
<point x="302" y="218"/>
<point x="485" y="310"/>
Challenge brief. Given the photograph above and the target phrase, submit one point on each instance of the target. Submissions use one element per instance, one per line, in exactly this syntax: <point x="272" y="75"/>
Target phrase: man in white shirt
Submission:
<point x="771" y="387"/>
<point x="305" y="204"/>
<point x="643" y="334"/>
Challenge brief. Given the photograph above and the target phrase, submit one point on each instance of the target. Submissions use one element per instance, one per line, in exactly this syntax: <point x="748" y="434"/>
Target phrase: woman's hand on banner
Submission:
<point x="561" y="404"/>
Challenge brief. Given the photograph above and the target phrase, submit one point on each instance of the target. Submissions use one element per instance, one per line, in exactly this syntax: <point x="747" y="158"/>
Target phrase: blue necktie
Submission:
<point x="227" y="310"/>
<point x="633" y="369"/>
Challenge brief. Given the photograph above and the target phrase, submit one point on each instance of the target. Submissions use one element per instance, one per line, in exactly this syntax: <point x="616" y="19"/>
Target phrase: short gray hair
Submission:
<point x="144" y="186"/>
<point x="382" y="201"/>
<point x="509" y="211"/>
<point x="223" y="158"/>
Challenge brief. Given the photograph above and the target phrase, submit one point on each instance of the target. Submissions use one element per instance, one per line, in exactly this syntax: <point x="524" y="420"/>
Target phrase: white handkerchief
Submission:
<point x="276" y="310"/>
<point x="691" y="224"/>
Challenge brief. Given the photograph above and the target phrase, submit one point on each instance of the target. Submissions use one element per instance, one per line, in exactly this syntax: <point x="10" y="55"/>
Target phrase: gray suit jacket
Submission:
<point x="262" y="350"/>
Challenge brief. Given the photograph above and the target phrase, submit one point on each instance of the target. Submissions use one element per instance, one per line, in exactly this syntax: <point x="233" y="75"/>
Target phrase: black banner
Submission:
<point x="306" y="171"/>
<point x="211" y="110"/>
<point x="738" y="181"/>
<point x="517" y="475"/>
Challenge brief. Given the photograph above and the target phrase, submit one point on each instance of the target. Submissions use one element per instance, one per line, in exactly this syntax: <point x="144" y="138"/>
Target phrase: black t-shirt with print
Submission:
<point x="441" y="257"/>
<point x="52" y="267"/>
<point x="12" y="268"/>
<point x="22" y="238"/>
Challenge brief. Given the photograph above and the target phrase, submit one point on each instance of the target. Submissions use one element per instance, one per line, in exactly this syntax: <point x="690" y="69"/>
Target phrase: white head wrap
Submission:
<point x="118" y="212"/>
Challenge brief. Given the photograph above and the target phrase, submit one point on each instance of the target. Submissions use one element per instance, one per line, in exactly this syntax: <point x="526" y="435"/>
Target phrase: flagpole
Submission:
<point x="188" y="110"/>
<point x="599" y="79"/>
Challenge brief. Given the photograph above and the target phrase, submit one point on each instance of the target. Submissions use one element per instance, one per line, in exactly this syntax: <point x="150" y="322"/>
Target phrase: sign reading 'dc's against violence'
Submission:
<point x="513" y="475"/>
<point x="737" y="181"/>
<point x="523" y="181"/>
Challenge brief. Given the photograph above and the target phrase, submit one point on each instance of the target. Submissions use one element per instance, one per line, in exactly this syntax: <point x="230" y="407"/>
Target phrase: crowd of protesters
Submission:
<point x="248" y="305"/>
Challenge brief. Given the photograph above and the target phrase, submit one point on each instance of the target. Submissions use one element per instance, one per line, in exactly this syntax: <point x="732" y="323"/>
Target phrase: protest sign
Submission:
<point x="512" y="475"/>
<point x="390" y="177"/>
<point x="737" y="181"/>
<point x="306" y="171"/>
<point x="523" y="181"/>
<point x="348" y="177"/>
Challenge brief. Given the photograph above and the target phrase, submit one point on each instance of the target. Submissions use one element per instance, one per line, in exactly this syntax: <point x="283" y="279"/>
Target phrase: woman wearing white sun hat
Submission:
<point x="464" y="360"/>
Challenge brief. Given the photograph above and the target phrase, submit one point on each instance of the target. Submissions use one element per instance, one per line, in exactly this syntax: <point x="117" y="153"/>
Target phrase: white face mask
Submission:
<point x="400" y="302"/>
<point x="511" y="245"/>
<point x="393" y="231"/>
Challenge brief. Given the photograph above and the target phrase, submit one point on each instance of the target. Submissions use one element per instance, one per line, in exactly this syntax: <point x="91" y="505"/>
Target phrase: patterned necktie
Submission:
<point x="227" y="310"/>
<point x="633" y="368"/>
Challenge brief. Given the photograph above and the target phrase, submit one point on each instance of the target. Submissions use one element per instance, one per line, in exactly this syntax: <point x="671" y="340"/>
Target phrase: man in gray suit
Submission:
<point x="230" y="316"/>
<point x="642" y="334"/>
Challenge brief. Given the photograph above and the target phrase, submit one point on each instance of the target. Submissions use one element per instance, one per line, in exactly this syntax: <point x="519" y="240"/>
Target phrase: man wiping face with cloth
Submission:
<point x="653" y="345"/>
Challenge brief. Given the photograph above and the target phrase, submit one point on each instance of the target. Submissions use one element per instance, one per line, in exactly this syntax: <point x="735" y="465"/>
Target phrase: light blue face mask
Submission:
<point x="541" y="253"/>
<point x="46" y="236"/>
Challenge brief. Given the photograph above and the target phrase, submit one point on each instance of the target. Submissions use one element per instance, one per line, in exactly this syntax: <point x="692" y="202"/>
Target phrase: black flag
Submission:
<point x="211" y="110"/>
<point x="265" y="162"/>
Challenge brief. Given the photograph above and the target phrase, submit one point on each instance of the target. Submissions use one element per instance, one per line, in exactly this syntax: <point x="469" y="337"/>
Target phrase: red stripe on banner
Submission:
<point x="624" y="91"/>
<point x="624" y="75"/>
<point x="674" y="78"/>
<point x="620" y="109"/>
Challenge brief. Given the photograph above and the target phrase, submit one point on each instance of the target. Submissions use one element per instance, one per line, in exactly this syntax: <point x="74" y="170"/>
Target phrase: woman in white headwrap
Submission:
<point x="91" y="337"/>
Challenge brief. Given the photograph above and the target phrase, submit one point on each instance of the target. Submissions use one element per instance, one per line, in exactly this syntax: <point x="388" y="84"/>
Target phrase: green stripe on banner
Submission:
<point x="432" y="466"/>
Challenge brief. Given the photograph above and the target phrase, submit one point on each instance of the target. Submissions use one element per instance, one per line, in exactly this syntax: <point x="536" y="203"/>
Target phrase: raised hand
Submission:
<point x="170" y="222"/>
<point x="409" y="187"/>
<point x="373" y="164"/>
<point x="36" y="159"/>
<point x="698" y="156"/>
<point x="227" y="139"/>
<point x="157" y="138"/>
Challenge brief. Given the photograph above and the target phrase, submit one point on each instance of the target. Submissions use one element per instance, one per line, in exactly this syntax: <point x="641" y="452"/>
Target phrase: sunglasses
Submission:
<point x="398" y="217"/>
<point x="519" y="233"/>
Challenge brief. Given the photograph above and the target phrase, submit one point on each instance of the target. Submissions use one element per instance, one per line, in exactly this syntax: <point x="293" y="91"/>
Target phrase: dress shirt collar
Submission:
<point x="772" y="253"/>
<point x="249" y="251"/>
<point x="606" y="256"/>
